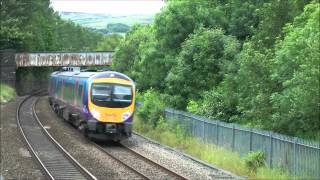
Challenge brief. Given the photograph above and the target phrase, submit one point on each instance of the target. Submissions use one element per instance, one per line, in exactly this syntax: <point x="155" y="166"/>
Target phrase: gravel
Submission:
<point x="146" y="168"/>
<point x="16" y="161"/>
<point x="97" y="162"/>
<point x="104" y="167"/>
<point x="175" y="161"/>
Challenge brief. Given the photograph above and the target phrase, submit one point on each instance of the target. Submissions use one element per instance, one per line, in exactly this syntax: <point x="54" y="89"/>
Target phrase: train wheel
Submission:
<point x="83" y="130"/>
<point x="56" y="109"/>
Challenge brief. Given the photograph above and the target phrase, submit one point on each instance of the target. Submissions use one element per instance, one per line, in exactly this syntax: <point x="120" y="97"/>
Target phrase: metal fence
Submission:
<point x="298" y="156"/>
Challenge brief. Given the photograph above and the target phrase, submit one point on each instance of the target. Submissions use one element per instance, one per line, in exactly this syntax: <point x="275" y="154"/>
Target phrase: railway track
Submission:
<point x="55" y="162"/>
<point x="137" y="163"/>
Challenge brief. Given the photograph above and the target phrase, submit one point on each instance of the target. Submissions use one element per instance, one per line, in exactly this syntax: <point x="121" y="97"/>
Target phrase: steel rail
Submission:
<point x="72" y="159"/>
<point x="54" y="161"/>
<point x="210" y="166"/>
<point x="119" y="161"/>
<point x="140" y="156"/>
<point x="178" y="176"/>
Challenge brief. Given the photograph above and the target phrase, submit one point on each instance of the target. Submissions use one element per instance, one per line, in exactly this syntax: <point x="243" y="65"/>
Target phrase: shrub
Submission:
<point x="152" y="108"/>
<point x="255" y="160"/>
<point x="6" y="93"/>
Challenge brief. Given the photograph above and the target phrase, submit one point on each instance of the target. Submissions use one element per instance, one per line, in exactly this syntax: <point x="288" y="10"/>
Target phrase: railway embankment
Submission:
<point x="16" y="161"/>
<point x="102" y="166"/>
<point x="95" y="161"/>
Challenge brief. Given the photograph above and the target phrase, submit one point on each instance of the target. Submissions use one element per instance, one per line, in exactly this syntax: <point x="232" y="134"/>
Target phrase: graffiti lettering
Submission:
<point x="63" y="59"/>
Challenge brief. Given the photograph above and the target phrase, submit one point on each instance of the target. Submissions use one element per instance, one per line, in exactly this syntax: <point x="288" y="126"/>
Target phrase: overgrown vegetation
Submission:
<point x="173" y="135"/>
<point x="34" y="26"/>
<point x="109" y="42"/>
<point x="255" y="160"/>
<point x="6" y="93"/>
<point x="255" y="63"/>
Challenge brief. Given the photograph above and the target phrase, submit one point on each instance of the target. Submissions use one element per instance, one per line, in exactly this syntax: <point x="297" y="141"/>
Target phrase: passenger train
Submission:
<point x="100" y="104"/>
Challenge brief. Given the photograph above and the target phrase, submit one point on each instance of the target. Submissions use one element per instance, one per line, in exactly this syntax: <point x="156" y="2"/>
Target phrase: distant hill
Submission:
<point x="106" y="23"/>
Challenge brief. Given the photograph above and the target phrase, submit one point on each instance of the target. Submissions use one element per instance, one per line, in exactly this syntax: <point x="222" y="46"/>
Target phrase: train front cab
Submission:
<point x="111" y="103"/>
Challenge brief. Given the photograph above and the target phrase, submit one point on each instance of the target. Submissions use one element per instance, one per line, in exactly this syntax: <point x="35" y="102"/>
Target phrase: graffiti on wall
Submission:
<point x="63" y="59"/>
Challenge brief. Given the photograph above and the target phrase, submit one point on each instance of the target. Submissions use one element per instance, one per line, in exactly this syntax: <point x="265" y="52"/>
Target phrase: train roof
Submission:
<point x="94" y="75"/>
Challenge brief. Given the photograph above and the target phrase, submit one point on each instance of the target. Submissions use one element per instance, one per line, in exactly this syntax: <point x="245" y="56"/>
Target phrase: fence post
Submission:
<point x="204" y="140"/>
<point x="217" y="128"/>
<point x="270" y="150"/>
<point x="233" y="137"/>
<point x="295" y="156"/>
<point x="250" y="140"/>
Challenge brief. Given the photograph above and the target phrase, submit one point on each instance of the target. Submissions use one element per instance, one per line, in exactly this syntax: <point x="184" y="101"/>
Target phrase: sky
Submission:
<point x="113" y="7"/>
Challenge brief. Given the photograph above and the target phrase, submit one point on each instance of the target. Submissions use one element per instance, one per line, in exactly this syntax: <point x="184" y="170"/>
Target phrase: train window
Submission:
<point x="101" y="92"/>
<point x="66" y="92"/>
<point x="111" y="95"/>
<point x="59" y="89"/>
<point x="122" y="93"/>
<point x="69" y="92"/>
<point x="72" y="93"/>
<point x="79" y="96"/>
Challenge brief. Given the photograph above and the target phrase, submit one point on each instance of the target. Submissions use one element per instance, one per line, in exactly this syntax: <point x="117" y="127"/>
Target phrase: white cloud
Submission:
<point x="114" y="7"/>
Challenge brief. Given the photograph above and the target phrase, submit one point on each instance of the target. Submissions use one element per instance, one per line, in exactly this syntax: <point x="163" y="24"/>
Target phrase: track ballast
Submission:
<point x="55" y="162"/>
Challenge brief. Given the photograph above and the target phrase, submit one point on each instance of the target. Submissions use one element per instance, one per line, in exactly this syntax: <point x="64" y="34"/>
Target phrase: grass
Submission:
<point x="172" y="135"/>
<point x="6" y="93"/>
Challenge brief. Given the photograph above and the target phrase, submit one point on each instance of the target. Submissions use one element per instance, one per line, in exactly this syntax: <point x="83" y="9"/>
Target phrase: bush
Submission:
<point x="6" y="93"/>
<point x="255" y="160"/>
<point x="152" y="108"/>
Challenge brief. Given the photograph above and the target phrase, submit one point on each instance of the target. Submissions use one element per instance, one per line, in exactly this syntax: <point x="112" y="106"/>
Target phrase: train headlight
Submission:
<point x="126" y="115"/>
<point x="95" y="114"/>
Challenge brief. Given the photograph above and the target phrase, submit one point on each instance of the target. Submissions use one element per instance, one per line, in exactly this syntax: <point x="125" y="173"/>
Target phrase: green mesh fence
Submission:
<point x="298" y="156"/>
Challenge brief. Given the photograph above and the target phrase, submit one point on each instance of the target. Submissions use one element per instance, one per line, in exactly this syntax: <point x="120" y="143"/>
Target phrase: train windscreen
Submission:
<point x="111" y="95"/>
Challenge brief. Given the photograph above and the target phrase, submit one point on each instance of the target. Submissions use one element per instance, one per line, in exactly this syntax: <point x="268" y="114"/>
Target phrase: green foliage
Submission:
<point x="232" y="60"/>
<point x="127" y="51"/>
<point x="203" y="57"/>
<point x="109" y="42"/>
<point x="117" y="27"/>
<point x="173" y="135"/>
<point x="6" y="93"/>
<point x="152" y="108"/>
<point x="253" y="85"/>
<point x="242" y="19"/>
<point x="150" y="69"/>
<point x="34" y="26"/>
<point x="180" y="18"/>
<point x="11" y="34"/>
<point x="296" y="71"/>
<point x="31" y="26"/>
<point x="273" y="15"/>
<point x="217" y="104"/>
<point x="255" y="160"/>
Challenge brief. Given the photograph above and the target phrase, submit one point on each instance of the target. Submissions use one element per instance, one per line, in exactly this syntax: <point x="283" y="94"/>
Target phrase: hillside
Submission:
<point x="101" y="21"/>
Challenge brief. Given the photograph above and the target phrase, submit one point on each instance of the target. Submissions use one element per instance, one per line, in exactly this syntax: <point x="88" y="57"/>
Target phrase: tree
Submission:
<point x="254" y="86"/>
<point x="273" y="16"/>
<point x="296" y="70"/>
<point x="181" y="18"/>
<point x="201" y="62"/>
<point x="127" y="52"/>
<point x="109" y="42"/>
